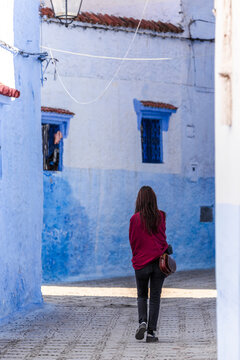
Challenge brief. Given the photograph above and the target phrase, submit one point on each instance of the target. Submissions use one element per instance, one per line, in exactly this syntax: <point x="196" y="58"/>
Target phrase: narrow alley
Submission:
<point x="96" y="320"/>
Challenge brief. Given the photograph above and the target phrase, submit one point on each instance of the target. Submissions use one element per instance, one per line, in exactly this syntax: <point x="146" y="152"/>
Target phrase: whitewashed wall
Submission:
<point x="185" y="81"/>
<point x="228" y="178"/>
<point x="21" y="190"/>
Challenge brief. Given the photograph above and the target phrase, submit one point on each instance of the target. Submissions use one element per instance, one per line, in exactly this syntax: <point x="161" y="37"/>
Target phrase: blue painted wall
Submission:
<point x="87" y="207"/>
<point x="86" y="219"/>
<point x="21" y="190"/>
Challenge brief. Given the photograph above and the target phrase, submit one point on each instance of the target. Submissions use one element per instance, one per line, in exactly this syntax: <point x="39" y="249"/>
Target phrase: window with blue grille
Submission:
<point x="152" y="120"/>
<point x="150" y="137"/>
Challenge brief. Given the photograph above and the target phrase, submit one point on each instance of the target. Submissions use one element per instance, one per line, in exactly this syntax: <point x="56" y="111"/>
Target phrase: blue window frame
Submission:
<point x="54" y="126"/>
<point x="152" y="121"/>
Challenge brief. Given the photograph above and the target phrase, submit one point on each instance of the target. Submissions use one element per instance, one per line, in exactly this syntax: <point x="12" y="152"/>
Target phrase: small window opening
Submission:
<point x="206" y="214"/>
<point x="52" y="144"/>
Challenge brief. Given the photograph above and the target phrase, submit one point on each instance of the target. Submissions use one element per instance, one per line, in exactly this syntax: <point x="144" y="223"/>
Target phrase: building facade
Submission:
<point x="21" y="190"/>
<point x="227" y="133"/>
<point x="127" y="124"/>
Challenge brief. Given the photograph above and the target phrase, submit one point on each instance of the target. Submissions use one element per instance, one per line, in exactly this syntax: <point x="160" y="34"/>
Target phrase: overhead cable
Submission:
<point x="114" y="75"/>
<point x="105" y="57"/>
<point x="15" y="51"/>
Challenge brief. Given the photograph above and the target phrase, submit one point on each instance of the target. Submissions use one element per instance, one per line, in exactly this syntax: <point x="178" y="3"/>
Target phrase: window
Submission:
<point x="150" y="136"/>
<point x="152" y="120"/>
<point x="52" y="144"/>
<point x="55" y="127"/>
<point x="206" y="214"/>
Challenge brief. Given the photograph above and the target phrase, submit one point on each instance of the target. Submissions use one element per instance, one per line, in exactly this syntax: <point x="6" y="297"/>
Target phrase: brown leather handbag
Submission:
<point x="167" y="264"/>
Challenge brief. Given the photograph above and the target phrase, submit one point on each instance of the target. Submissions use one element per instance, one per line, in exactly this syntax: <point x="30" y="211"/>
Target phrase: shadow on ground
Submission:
<point x="102" y="327"/>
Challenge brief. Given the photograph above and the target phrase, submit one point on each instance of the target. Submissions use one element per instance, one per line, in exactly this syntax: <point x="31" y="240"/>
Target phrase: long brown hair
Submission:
<point x="146" y="204"/>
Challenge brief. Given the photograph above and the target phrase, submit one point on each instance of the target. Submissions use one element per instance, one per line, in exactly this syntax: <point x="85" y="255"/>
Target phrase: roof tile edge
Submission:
<point x="56" y="110"/>
<point x="7" y="91"/>
<point x="115" y="21"/>
<point x="155" y="104"/>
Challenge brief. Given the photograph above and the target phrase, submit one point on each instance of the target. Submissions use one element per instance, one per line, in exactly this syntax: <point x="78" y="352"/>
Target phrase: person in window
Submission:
<point x="147" y="236"/>
<point x="53" y="158"/>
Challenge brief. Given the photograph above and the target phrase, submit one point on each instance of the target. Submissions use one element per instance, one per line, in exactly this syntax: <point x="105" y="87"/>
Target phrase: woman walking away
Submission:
<point x="148" y="242"/>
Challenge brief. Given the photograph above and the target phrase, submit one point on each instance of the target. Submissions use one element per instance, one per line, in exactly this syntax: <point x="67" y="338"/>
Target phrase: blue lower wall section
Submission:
<point x="86" y="219"/>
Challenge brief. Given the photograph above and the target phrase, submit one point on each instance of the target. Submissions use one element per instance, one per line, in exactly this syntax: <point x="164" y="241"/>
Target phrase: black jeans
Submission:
<point x="150" y="272"/>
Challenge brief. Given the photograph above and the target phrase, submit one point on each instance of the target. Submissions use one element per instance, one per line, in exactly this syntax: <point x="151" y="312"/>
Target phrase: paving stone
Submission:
<point x="98" y="327"/>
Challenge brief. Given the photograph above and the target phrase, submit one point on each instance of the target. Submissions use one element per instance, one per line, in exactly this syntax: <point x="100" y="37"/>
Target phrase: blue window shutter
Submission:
<point x="150" y="135"/>
<point x="155" y="141"/>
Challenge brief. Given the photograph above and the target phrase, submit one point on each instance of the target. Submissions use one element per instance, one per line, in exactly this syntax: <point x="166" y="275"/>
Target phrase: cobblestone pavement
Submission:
<point x="96" y="320"/>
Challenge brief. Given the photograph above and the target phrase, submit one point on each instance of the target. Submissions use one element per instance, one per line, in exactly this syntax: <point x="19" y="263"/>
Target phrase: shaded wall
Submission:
<point x="86" y="220"/>
<point x="227" y="132"/>
<point x="21" y="197"/>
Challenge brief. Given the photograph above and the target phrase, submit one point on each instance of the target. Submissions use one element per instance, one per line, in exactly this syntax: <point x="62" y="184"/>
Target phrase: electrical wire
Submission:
<point x="15" y="51"/>
<point x="114" y="75"/>
<point x="105" y="57"/>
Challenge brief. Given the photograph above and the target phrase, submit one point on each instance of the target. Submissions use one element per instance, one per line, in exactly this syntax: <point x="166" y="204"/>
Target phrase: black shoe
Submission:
<point x="140" y="331"/>
<point x="151" y="337"/>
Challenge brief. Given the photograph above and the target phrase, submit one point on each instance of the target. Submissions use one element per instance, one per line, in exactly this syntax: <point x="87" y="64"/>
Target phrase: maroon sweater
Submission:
<point x="145" y="247"/>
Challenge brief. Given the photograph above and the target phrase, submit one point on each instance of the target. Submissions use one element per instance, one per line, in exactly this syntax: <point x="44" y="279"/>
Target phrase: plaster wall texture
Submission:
<point x="86" y="220"/>
<point x="86" y="223"/>
<point x="21" y="190"/>
<point x="199" y="18"/>
<point x="227" y="132"/>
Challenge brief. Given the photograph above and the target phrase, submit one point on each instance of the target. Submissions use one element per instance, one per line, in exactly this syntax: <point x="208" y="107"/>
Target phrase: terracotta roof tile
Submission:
<point x="144" y="24"/>
<point x="94" y="18"/>
<point x="125" y="22"/>
<point x="173" y="27"/>
<point x="162" y="26"/>
<point x="133" y="21"/>
<point x="7" y="91"/>
<point x="83" y="18"/>
<point x="116" y="21"/>
<point x="45" y="11"/>
<point x="103" y="20"/>
<point x="158" y="105"/>
<point x="56" y="110"/>
<point x="111" y="20"/>
<point x="154" y="26"/>
<point x="91" y="18"/>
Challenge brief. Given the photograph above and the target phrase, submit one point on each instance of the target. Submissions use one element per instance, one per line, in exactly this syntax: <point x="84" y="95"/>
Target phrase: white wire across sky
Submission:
<point x="99" y="96"/>
<point x="105" y="57"/>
